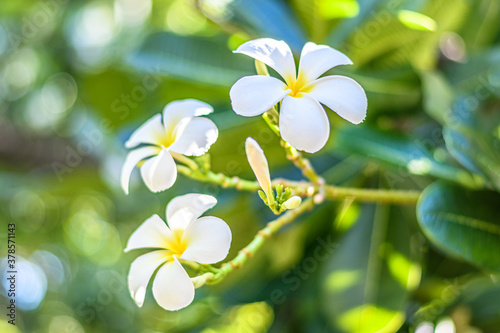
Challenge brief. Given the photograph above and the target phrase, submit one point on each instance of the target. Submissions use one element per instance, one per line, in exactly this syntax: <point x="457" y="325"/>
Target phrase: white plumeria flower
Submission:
<point x="204" y="240"/>
<point x="303" y="121"/>
<point x="178" y="130"/>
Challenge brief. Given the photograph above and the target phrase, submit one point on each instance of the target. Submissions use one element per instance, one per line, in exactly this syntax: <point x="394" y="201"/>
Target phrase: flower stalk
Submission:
<point x="308" y="189"/>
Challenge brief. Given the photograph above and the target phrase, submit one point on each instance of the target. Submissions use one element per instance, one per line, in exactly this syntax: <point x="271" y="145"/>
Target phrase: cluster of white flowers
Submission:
<point x="180" y="129"/>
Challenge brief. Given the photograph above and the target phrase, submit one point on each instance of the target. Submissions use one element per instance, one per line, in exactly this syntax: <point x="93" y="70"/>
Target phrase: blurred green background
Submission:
<point x="77" y="77"/>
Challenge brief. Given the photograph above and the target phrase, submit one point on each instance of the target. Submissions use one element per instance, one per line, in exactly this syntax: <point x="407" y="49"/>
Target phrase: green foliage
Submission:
<point x="475" y="150"/>
<point x="196" y="59"/>
<point x="463" y="223"/>
<point x="369" y="277"/>
<point x="431" y="71"/>
<point x="406" y="154"/>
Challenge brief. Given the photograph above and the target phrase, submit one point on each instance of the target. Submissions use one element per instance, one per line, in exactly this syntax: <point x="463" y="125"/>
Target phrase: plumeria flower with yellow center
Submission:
<point x="179" y="130"/>
<point x="303" y="121"/>
<point x="205" y="240"/>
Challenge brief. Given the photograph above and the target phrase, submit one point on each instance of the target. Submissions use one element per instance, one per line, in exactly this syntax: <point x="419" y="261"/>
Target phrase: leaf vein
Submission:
<point x="470" y="222"/>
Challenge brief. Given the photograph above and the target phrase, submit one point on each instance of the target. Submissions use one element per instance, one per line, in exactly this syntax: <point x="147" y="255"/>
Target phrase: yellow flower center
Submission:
<point x="297" y="86"/>
<point x="176" y="244"/>
<point x="167" y="139"/>
<point x="169" y="136"/>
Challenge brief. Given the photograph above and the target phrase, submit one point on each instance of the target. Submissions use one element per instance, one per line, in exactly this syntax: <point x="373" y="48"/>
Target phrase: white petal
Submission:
<point x="255" y="94"/>
<point x="258" y="162"/>
<point x="317" y="59"/>
<point x="303" y="123"/>
<point x="195" y="137"/>
<point x="343" y="95"/>
<point x="141" y="271"/>
<point x="175" y="111"/>
<point x="152" y="233"/>
<point x="134" y="157"/>
<point x="152" y="131"/>
<point x="172" y="287"/>
<point x="159" y="172"/>
<point x="208" y="240"/>
<point x="276" y="54"/>
<point x="184" y="209"/>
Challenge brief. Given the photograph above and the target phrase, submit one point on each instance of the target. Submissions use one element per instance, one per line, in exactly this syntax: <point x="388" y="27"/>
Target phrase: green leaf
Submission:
<point x="311" y="16"/>
<point x="263" y="18"/>
<point x="388" y="90"/>
<point x="448" y="15"/>
<point x="477" y="151"/>
<point x="198" y="59"/>
<point x="479" y="76"/>
<point x="416" y="21"/>
<point x="481" y="296"/>
<point x="438" y="96"/>
<point x="400" y="151"/>
<point x="482" y="25"/>
<point x="351" y="26"/>
<point x="463" y="223"/>
<point x="338" y="9"/>
<point x="368" y="278"/>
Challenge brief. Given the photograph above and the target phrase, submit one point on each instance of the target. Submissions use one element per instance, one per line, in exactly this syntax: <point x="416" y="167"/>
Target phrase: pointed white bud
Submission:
<point x="258" y="163"/>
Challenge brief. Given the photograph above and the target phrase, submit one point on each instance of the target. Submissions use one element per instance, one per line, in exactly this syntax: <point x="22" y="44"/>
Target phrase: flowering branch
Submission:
<point x="177" y="141"/>
<point x="259" y="239"/>
<point x="308" y="189"/>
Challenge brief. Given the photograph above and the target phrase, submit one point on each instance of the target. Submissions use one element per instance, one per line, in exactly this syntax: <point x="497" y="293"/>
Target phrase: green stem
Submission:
<point x="220" y="179"/>
<point x="302" y="163"/>
<point x="185" y="160"/>
<point x="259" y="239"/>
<point x="308" y="189"/>
<point x="404" y="197"/>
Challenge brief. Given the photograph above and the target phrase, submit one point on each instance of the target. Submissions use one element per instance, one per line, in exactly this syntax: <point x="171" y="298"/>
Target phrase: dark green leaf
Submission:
<point x="397" y="150"/>
<point x="479" y="76"/>
<point x="463" y="223"/>
<point x="477" y="151"/>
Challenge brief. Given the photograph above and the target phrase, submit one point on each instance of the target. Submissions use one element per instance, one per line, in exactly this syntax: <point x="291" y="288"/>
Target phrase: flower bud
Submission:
<point x="200" y="280"/>
<point x="258" y="163"/>
<point x="293" y="202"/>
